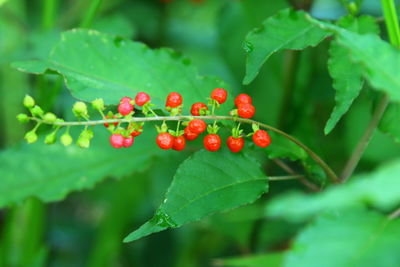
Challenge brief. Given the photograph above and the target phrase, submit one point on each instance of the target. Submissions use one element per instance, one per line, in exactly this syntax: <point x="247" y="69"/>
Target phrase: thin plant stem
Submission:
<point x="49" y="14"/>
<point x="392" y="25"/>
<point x="91" y="13"/>
<point x="285" y="178"/>
<point x="329" y="172"/>
<point x="395" y="214"/>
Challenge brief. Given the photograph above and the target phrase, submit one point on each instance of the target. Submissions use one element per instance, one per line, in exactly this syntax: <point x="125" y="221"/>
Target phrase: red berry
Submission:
<point x="125" y="108"/>
<point x="246" y="110"/>
<point x="108" y="117"/>
<point x="196" y="108"/>
<point x="189" y="135"/>
<point x="261" y="138"/>
<point x="135" y="133"/>
<point x="179" y="143"/>
<point x="128" y="141"/>
<point x="219" y="95"/>
<point x="243" y="99"/>
<point x="125" y="99"/>
<point x="212" y="142"/>
<point x="165" y="140"/>
<point x="235" y="144"/>
<point x="197" y="126"/>
<point x="173" y="100"/>
<point x="142" y="98"/>
<point x="117" y="140"/>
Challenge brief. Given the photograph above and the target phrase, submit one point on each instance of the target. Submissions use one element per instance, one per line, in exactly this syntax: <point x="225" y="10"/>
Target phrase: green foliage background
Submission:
<point x="317" y="80"/>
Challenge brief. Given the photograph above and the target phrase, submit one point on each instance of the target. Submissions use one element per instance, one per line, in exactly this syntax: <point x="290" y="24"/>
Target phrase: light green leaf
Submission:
<point x="51" y="172"/>
<point x="390" y="122"/>
<point x="286" y="30"/>
<point x="204" y="184"/>
<point x="380" y="188"/>
<point x="347" y="77"/>
<point x="95" y="64"/>
<point x="349" y="239"/>
<point x="378" y="60"/>
<point x="272" y="259"/>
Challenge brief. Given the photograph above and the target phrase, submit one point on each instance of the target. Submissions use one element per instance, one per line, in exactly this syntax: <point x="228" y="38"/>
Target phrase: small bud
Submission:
<point x="80" y="109"/>
<point x="29" y="102"/>
<point x="31" y="137"/>
<point x="66" y="139"/>
<point x="98" y="104"/>
<point x="84" y="138"/>
<point x="49" y="117"/>
<point x="22" y="118"/>
<point x="37" y="111"/>
<point x="50" y="138"/>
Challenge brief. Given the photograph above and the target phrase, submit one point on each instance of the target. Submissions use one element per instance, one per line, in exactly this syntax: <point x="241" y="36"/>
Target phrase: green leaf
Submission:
<point x="51" y="172"/>
<point x="380" y="188"/>
<point x="101" y="65"/>
<point x="378" y="59"/>
<point x="206" y="183"/>
<point x="347" y="77"/>
<point x="390" y="122"/>
<point x="352" y="238"/>
<point x="272" y="259"/>
<point x="286" y="30"/>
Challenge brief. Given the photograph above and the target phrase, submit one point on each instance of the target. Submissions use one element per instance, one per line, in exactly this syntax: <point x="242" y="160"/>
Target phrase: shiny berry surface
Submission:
<point x="117" y="140"/>
<point x="212" y="142"/>
<point x="197" y="126"/>
<point x="235" y="144"/>
<point x="125" y="99"/>
<point x="243" y="99"/>
<point x="219" y="95"/>
<point x="125" y="108"/>
<point x="173" y="100"/>
<point x="246" y="111"/>
<point x="128" y="141"/>
<point x="190" y="136"/>
<point x="165" y="140"/>
<point x="196" y="107"/>
<point x="141" y="98"/>
<point x="261" y="138"/>
<point x="179" y="143"/>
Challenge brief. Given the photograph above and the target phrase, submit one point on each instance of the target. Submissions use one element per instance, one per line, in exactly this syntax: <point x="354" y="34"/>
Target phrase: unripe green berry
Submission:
<point x="29" y="102"/>
<point x="31" y="137"/>
<point x="49" y="117"/>
<point x="80" y="109"/>
<point x="22" y="118"/>
<point x="84" y="138"/>
<point x="50" y="138"/>
<point x="98" y="104"/>
<point x="37" y="111"/>
<point x="66" y="139"/>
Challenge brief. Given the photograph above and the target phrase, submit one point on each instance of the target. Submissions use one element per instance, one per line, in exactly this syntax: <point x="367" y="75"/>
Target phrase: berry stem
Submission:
<point x="329" y="172"/>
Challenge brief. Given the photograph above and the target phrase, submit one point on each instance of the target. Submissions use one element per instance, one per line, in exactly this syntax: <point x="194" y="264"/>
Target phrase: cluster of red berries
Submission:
<point x="167" y="139"/>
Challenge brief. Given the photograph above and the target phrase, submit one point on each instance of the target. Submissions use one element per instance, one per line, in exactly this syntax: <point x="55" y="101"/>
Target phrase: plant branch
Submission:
<point x="285" y="178"/>
<point x="330" y="173"/>
<point x="394" y="214"/>
<point x="365" y="139"/>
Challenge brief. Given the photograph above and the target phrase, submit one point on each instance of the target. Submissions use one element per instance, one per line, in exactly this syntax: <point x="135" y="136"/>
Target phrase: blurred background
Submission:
<point x="86" y="228"/>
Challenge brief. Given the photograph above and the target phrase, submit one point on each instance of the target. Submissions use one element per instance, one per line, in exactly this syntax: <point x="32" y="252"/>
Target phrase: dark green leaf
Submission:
<point x="352" y="238"/>
<point x="347" y="77"/>
<point x="380" y="189"/>
<point x="101" y="65"/>
<point x="286" y="30"/>
<point x="204" y="184"/>
<point x="51" y="172"/>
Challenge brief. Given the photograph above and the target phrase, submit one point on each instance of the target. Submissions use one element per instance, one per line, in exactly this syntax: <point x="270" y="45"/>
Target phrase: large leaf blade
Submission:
<point x="347" y="77"/>
<point x="361" y="238"/>
<point x="102" y="65"/>
<point x="204" y="184"/>
<point x="286" y="30"/>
